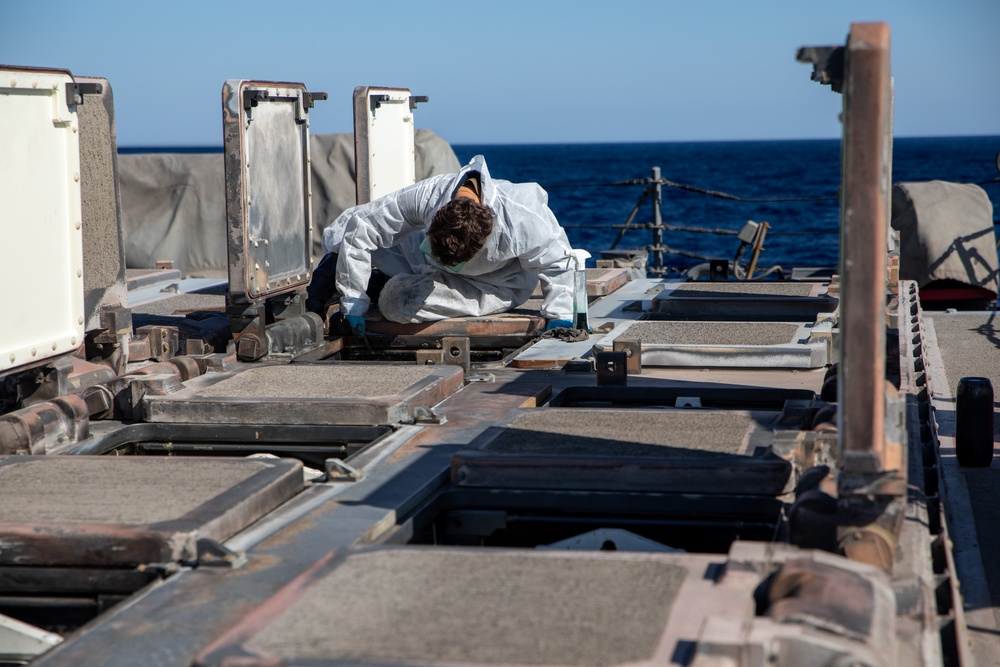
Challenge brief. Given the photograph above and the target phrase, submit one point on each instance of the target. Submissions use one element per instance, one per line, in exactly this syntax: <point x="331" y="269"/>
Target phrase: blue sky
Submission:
<point x="518" y="71"/>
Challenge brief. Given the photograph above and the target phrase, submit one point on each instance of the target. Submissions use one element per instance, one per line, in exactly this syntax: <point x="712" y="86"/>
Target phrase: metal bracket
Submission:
<point x="632" y="347"/>
<point x="251" y="97"/>
<point x="214" y="554"/>
<point x="76" y="91"/>
<point x="417" y="99"/>
<point x="430" y="357"/>
<point x="718" y="270"/>
<point x="164" y="342"/>
<point x="338" y="471"/>
<point x="309" y="99"/>
<point x="376" y="100"/>
<point x="612" y="369"/>
<point x="688" y="402"/>
<point x="422" y="415"/>
<point x="456" y="351"/>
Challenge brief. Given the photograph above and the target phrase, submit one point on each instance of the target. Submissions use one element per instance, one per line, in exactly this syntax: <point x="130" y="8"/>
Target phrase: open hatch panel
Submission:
<point x="41" y="265"/>
<point x="266" y="137"/>
<point x="384" y="154"/>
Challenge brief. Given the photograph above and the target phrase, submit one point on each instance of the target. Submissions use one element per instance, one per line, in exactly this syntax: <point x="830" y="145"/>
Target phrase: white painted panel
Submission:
<point x="41" y="253"/>
<point x="391" y="156"/>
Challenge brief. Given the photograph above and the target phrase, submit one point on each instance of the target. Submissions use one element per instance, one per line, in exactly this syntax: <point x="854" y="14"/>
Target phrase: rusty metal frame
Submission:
<point x="250" y="283"/>
<point x="871" y="440"/>
<point x="108" y="320"/>
<point x="872" y="483"/>
<point x="864" y="189"/>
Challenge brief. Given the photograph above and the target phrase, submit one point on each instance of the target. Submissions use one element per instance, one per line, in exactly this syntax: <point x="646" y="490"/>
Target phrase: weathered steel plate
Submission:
<point x="552" y="353"/>
<point x="600" y="282"/>
<point x="72" y="511"/>
<point x="494" y="332"/>
<point x="103" y="233"/>
<point x="322" y="393"/>
<point x="473" y="327"/>
<point x="643" y="450"/>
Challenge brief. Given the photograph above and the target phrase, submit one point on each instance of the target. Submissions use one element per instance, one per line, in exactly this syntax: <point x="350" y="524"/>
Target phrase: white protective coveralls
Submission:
<point x="527" y="245"/>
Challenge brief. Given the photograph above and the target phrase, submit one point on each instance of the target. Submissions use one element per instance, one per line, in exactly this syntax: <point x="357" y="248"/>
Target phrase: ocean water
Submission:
<point x="802" y="233"/>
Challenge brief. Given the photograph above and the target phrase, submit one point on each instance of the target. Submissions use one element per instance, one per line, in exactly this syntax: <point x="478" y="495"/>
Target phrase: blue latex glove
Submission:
<point x="357" y="324"/>
<point x="552" y="324"/>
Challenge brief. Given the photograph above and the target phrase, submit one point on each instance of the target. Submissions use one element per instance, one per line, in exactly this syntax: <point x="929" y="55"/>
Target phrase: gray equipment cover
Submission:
<point x="946" y="233"/>
<point x="174" y="205"/>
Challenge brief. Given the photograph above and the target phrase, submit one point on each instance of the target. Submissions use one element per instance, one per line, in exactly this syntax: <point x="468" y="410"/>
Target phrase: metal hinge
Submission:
<point x="422" y="415"/>
<point x="338" y="471"/>
<point x="76" y="91"/>
<point x="632" y="347"/>
<point x="213" y="554"/>
<point x="309" y="99"/>
<point x="252" y="96"/>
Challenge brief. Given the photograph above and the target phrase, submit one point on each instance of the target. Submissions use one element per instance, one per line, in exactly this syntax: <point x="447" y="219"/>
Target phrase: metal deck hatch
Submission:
<point x="741" y="344"/>
<point x="759" y="301"/>
<point x="120" y="511"/>
<point x="41" y="262"/>
<point x="324" y="393"/>
<point x="266" y="128"/>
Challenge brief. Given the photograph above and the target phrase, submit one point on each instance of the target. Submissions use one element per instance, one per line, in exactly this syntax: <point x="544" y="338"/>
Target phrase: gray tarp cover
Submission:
<point x="174" y="205"/>
<point x="946" y="233"/>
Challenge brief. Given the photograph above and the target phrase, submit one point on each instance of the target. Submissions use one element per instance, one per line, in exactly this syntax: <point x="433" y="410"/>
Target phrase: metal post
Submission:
<point x="658" y="269"/>
<point x="758" y="245"/>
<point x="867" y="117"/>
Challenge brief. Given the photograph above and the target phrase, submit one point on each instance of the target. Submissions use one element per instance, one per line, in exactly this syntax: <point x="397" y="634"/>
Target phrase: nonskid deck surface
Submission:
<point x="323" y="393"/>
<point x="556" y="607"/>
<point x="966" y="345"/>
<point x="402" y="478"/>
<point x="727" y="344"/>
<point x="470" y="607"/>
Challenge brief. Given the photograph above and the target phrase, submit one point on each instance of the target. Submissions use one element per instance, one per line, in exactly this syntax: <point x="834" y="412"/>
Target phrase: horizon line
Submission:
<point x="166" y="147"/>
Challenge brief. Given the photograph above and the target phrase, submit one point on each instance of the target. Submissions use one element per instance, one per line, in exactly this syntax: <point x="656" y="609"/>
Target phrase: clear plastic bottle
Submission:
<point x="580" y="320"/>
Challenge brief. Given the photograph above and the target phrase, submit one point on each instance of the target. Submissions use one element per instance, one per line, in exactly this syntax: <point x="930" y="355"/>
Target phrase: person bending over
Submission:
<point x="453" y="245"/>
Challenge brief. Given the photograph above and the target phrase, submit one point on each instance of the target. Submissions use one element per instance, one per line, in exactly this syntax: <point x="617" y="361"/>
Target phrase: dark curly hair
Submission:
<point x="459" y="230"/>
